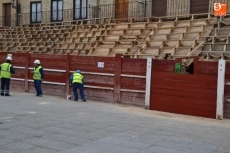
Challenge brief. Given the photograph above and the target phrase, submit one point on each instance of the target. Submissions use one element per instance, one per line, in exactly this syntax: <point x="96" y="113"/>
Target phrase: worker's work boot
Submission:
<point x="7" y="95"/>
<point x="83" y="100"/>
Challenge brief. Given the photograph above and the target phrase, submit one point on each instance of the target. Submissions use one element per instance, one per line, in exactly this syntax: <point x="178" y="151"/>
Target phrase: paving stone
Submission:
<point x="200" y="149"/>
<point x="159" y="149"/>
<point x="17" y="136"/>
<point x="4" y="141"/>
<point x="17" y="147"/>
<point x="136" y="145"/>
<point x="39" y="150"/>
<point x="5" y="151"/>
<point x="77" y="140"/>
<point x="82" y="149"/>
<point x="58" y="146"/>
<point x="50" y="125"/>
<point x="119" y="149"/>
<point x="38" y="141"/>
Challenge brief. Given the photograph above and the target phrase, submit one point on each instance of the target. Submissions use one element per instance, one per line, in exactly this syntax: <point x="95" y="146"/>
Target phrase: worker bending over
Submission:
<point x="77" y="82"/>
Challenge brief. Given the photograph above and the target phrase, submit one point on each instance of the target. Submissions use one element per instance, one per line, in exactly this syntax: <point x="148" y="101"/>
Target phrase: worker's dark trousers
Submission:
<point x="5" y="86"/>
<point x="37" y="86"/>
<point x="80" y="87"/>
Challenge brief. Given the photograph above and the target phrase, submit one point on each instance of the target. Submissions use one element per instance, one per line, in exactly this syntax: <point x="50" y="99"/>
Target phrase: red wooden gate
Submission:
<point x="188" y="94"/>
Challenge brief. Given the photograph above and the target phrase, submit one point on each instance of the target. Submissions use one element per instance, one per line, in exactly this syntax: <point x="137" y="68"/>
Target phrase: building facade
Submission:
<point x="7" y="13"/>
<point x="46" y="11"/>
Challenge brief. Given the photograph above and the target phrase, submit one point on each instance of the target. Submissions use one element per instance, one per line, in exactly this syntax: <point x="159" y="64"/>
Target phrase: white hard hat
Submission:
<point x="36" y="62"/>
<point x="9" y="58"/>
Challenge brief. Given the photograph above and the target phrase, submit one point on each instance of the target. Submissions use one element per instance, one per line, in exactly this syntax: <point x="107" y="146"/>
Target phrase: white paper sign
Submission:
<point x="100" y="64"/>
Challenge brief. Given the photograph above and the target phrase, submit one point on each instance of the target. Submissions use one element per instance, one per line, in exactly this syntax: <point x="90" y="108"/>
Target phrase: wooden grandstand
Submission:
<point x="217" y="44"/>
<point x="157" y="37"/>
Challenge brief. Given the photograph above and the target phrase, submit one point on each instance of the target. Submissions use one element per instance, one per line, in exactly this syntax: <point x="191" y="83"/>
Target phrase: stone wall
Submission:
<point x="46" y="5"/>
<point x="2" y="13"/>
<point x="2" y="2"/>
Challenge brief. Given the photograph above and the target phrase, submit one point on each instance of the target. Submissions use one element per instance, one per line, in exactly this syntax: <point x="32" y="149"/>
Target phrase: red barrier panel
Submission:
<point x="102" y="75"/>
<point x="227" y="91"/>
<point x="132" y="81"/>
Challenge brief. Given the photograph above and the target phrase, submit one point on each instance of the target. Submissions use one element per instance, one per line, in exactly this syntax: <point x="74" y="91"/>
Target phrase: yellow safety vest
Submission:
<point x="37" y="74"/>
<point x="77" y="78"/>
<point x="5" y="70"/>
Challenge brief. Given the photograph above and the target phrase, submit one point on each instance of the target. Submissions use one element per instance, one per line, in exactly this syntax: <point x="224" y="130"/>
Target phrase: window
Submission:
<point x="80" y="9"/>
<point x="57" y="10"/>
<point x="35" y="12"/>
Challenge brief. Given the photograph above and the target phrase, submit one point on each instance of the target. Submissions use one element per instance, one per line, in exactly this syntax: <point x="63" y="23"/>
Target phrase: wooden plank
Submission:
<point x="17" y="86"/>
<point x="48" y="89"/>
<point x="208" y="68"/>
<point x="131" y="98"/>
<point x="185" y="77"/>
<point x="227" y="91"/>
<point x="46" y="64"/>
<point x="134" y="66"/>
<point x="51" y="76"/>
<point x="132" y="83"/>
<point x="27" y="72"/>
<point x="163" y="68"/>
<point x="163" y="65"/>
<point x="67" y="74"/>
<point x="185" y="94"/>
<point x="185" y="84"/>
<point x="227" y="70"/>
<point x="19" y="73"/>
<point x="100" y="58"/>
<point x="227" y="77"/>
<point x="186" y="111"/>
<point x="185" y="102"/>
<point x="99" y="94"/>
<point x="91" y="64"/>
<point x="99" y="84"/>
<point x="181" y="88"/>
<point x="109" y="80"/>
<point x="227" y="106"/>
<point x="49" y="61"/>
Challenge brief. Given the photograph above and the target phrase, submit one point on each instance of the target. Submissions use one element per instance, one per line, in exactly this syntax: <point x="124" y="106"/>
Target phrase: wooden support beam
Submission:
<point x="27" y="71"/>
<point x="220" y="90"/>
<point x="67" y="74"/>
<point x="117" y="79"/>
<point x="148" y="83"/>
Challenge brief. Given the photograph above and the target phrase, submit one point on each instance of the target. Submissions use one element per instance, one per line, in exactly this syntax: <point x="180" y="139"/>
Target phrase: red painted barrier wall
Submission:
<point x="227" y="91"/>
<point x="137" y="83"/>
<point x="101" y="83"/>
<point x="183" y="93"/>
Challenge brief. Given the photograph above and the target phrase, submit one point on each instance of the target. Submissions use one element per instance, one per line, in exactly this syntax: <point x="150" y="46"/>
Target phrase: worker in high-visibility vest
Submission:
<point x="77" y="82"/>
<point x="6" y="69"/>
<point x="38" y="77"/>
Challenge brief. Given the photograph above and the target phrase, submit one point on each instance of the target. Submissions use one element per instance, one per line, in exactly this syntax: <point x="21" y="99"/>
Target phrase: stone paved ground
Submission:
<point x="30" y="124"/>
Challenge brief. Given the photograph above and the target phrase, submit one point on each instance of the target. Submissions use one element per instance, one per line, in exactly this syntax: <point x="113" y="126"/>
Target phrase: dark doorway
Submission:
<point x="159" y="8"/>
<point x="199" y="6"/>
<point x="121" y="9"/>
<point x="7" y="15"/>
